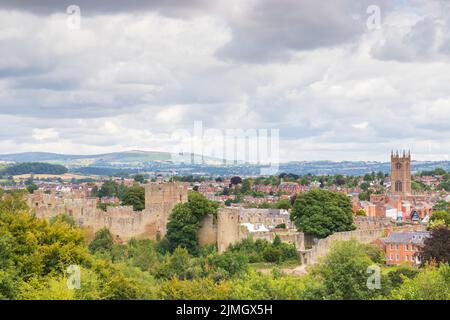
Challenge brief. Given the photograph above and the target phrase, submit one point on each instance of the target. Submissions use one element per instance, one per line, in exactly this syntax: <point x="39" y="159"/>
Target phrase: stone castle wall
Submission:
<point x="122" y="221"/>
<point x="322" y="247"/>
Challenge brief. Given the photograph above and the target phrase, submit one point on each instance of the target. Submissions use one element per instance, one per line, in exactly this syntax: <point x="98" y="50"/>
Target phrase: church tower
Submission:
<point x="401" y="173"/>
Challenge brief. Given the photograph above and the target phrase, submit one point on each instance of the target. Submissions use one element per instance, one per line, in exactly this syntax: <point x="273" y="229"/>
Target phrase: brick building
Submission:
<point x="403" y="247"/>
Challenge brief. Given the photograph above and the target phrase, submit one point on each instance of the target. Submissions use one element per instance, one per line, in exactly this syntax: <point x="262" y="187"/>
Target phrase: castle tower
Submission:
<point x="228" y="223"/>
<point x="161" y="198"/>
<point x="401" y="173"/>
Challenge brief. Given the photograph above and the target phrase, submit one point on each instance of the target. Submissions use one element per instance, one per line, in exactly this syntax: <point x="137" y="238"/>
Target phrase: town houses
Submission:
<point x="403" y="247"/>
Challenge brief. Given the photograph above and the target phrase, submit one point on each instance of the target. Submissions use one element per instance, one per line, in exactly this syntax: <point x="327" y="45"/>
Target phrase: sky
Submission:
<point x="334" y="80"/>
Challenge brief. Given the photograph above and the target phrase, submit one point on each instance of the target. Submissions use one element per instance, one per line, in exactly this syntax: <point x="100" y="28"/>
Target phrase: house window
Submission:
<point x="406" y="258"/>
<point x="390" y="257"/>
<point x="396" y="246"/>
<point x="407" y="247"/>
<point x="396" y="257"/>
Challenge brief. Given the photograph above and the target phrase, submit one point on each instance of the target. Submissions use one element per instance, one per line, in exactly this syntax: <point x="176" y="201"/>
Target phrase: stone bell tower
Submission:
<point x="401" y="173"/>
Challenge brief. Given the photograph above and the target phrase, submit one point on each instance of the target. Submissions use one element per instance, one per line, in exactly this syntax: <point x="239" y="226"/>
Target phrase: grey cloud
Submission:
<point x="426" y="41"/>
<point x="89" y="7"/>
<point x="271" y="30"/>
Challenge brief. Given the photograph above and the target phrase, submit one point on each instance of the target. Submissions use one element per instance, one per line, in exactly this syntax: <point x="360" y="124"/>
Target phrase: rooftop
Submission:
<point x="416" y="237"/>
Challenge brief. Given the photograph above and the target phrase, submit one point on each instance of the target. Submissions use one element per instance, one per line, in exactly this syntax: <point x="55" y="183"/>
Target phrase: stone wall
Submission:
<point x="207" y="235"/>
<point x="228" y="227"/>
<point x="291" y="237"/>
<point x="122" y="221"/>
<point x="321" y="248"/>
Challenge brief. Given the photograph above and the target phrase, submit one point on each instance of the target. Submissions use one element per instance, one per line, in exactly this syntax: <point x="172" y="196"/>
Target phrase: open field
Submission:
<point x="65" y="176"/>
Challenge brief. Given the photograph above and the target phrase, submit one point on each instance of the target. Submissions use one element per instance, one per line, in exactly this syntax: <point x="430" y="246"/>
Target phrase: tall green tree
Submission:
<point x="321" y="213"/>
<point x="135" y="196"/>
<point x="103" y="241"/>
<point x="437" y="247"/>
<point x="185" y="221"/>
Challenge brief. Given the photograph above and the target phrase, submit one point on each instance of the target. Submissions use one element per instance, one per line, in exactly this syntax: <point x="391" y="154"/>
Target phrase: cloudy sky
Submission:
<point x="336" y="84"/>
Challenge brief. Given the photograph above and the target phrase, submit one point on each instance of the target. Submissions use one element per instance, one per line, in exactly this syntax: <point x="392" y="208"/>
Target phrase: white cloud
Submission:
<point x="45" y="134"/>
<point x="130" y="78"/>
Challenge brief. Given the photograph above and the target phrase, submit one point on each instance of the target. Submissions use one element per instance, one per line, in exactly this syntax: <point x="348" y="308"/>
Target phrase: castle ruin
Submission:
<point x="123" y="222"/>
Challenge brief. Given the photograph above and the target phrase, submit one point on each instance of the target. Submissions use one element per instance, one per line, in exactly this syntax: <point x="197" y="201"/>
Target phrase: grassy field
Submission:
<point x="66" y="176"/>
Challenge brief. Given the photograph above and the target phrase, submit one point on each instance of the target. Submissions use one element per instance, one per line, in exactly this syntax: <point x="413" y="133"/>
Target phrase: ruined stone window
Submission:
<point x="399" y="165"/>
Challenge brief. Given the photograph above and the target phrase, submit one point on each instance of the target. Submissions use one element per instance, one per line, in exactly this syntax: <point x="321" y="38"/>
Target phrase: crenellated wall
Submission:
<point x="122" y="221"/>
<point x="322" y="246"/>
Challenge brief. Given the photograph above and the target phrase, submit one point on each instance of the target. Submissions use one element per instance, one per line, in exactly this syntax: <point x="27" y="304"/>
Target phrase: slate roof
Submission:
<point x="416" y="237"/>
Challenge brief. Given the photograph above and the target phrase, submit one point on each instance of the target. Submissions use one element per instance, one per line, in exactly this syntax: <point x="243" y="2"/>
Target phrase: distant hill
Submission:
<point x="33" y="168"/>
<point x="136" y="161"/>
<point x="131" y="158"/>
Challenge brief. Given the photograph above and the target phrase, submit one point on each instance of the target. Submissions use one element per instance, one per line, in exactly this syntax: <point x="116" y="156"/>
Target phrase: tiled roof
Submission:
<point x="416" y="237"/>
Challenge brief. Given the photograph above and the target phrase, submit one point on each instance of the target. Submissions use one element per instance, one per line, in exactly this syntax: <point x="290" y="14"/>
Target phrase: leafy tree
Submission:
<point x="142" y="254"/>
<point x="321" y="213"/>
<point x="182" y="229"/>
<point x="344" y="272"/>
<point x="94" y="192"/>
<point x="62" y="218"/>
<point x="135" y="196"/>
<point x="283" y="204"/>
<point x="246" y="186"/>
<point x="441" y="215"/>
<point x="272" y="254"/>
<point x="32" y="187"/>
<point x="33" y="168"/>
<point x="103" y="241"/>
<point x="108" y="189"/>
<point x="139" y="178"/>
<point x="200" y="206"/>
<point x="339" y="180"/>
<point x="227" y="265"/>
<point x="441" y="205"/>
<point x="398" y="276"/>
<point x="431" y="283"/>
<point x="236" y="180"/>
<point x="180" y="265"/>
<point x="437" y="246"/>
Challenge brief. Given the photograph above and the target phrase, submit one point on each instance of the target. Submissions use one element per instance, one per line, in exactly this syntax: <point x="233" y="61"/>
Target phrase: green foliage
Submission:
<point x="431" y="283"/>
<point x="264" y="251"/>
<point x="442" y="205"/>
<point x="185" y="221"/>
<point x="109" y="189"/>
<point x="321" y="213"/>
<point x="32" y="187"/>
<point x="135" y="196"/>
<point x="103" y="241"/>
<point x="436" y="248"/>
<point x="104" y="205"/>
<point x="34" y="256"/>
<point x="139" y="178"/>
<point x="398" y="276"/>
<point x="283" y="204"/>
<point x="62" y="218"/>
<point x="33" y="168"/>
<point x="180" y="265"/>
<point x="441" y="215"/>
<point x="343" y="272"/>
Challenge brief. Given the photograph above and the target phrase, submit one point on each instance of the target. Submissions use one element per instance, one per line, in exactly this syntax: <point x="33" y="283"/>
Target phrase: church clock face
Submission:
<point x="398" y="165"/>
